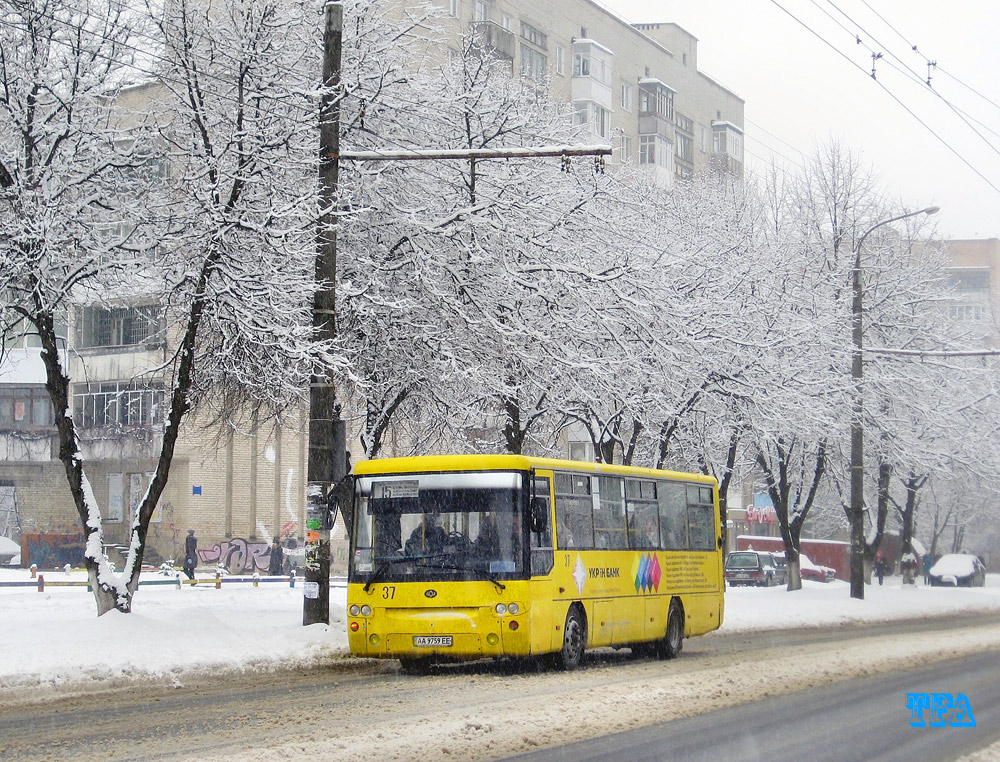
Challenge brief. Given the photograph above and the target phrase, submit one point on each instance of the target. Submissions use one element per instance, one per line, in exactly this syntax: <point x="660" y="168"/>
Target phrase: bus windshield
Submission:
<point x="451" y="526"/>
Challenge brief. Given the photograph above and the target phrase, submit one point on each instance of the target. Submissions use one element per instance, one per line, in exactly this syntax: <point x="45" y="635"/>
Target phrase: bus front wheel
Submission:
<point x="673" y="640"/>
<point x="574" y="641"/>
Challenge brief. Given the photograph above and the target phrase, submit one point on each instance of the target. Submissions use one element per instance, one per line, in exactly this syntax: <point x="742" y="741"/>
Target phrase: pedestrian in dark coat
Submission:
<point x="881" y="567"/>
<point x="277" y="563"/>
<point x="190" y="554"/>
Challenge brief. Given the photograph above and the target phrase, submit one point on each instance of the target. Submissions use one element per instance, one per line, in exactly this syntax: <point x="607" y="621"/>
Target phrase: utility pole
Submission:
<point x="327" y="464"/>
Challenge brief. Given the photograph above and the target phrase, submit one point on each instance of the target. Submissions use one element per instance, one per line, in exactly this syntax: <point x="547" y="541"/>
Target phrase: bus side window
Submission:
<point x="672" y="500"/>
<point x="641" y="514"/>
<point x="574" y="511"/>
<point x="542" y="556"/>
<point x="609" y="514"/>
<point x="701" y="517"/>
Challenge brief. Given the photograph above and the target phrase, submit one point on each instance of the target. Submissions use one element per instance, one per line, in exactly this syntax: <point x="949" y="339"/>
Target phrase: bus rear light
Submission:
<point x="366" y="610"/>
<point x="501" y="609"/>
<point x="355" y="609"/>
<point x="492" y="638"/>
<point x="374" y="640"/>
<point x="514" y="608"/>
<point x="513" y="624"/>
<point x="354" y="626"/>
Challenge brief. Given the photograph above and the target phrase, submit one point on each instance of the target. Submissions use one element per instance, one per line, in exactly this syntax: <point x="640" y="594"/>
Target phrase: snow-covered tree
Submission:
<point x="225" y="242"/>
<point x="463" y="272"/>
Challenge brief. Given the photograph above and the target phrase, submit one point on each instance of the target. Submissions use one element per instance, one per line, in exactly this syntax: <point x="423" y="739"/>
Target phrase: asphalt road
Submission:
<point x="862" y="720"/>
<point x="350" y="709"/>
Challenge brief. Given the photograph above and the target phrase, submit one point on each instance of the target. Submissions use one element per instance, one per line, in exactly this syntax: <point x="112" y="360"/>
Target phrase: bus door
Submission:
<point x="542" y="557"/>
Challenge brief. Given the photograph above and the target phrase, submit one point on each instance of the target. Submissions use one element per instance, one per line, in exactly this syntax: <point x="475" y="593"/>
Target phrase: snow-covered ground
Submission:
<point x="54" y="638"/>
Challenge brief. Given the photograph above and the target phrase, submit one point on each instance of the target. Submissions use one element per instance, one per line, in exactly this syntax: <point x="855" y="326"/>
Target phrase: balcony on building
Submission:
<point x="656" y="108"/>
<point x="491" y="38"/>
<point x="727" y="147"/>
<point x="593" y="65"/>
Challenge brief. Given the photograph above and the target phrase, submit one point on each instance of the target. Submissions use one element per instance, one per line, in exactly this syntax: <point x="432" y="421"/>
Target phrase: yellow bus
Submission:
<point x="460" y="557"/>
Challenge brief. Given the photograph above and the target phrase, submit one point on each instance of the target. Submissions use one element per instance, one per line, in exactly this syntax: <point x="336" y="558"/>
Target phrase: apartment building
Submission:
<point x="974" y="269"/>
<point x="636" y="86"/>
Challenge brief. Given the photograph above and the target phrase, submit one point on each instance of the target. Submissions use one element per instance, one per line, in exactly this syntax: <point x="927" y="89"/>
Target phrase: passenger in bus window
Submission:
<point x="649" y="533"/>
<point x="563" y="535"/>
<point x="428" y="536"/>
<point x="487" y="544"/>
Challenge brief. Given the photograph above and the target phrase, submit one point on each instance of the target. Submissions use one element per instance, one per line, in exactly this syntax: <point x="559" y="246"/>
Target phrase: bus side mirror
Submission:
<point x="539" y="514"/>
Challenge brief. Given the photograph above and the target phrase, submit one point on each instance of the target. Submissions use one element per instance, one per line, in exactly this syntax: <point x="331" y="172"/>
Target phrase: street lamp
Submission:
<point x="857" y="507"/>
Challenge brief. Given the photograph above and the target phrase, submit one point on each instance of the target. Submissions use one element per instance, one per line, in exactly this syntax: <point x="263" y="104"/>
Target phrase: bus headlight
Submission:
<point x="374" y="639"/>
<point x="501" y="609"/>
<point x="492" y="638"/>
<point x="366" y="610"/>
<point x="355" y="609"/>
<point x="514" y="609"/>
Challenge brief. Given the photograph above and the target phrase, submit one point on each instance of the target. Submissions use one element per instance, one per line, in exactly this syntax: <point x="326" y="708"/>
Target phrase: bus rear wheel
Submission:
<point x="574" y="641"/>
<point x="673" y="640"/>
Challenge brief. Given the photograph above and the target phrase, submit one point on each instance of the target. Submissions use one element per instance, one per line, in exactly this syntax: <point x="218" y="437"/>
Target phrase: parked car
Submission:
<point x="958" y="570"/>
<point x="782" y="566"/>
<point x="752" y="567"/>
<point x="815" y="572"/>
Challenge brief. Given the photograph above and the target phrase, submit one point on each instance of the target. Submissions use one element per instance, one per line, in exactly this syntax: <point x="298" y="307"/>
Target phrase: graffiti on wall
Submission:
<point x="52" y="551"/>
<point x="238" y="555"/>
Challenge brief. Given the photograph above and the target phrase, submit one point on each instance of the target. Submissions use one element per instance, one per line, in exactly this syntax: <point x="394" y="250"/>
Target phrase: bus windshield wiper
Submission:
<point x="387" y="561"/>
<point x="378" y="573"/>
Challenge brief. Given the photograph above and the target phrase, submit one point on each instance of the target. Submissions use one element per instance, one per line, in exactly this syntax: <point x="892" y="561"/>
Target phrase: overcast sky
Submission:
<point x="805" y="79"/>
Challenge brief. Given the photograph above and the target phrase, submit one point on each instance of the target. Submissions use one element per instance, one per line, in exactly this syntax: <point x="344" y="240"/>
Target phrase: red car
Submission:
<point x="815" y="572"/>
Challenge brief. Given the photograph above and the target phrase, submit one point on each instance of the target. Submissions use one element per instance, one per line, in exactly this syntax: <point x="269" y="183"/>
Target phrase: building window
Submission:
<point x="533" y="63"/>
<point x="116" y="403"/>
<point x="482" y="12"/>
<point x="596" y="117"/>
<point x="560" y="60"/>
<point x="654" y="150"/>
<point x="454" y="8"/>
<point x="657" y="99"/>
<point x="626" y="96"/>
<point x="602" y="121"/>
<point x="967" y="312"/>
<point x="118" y="326"/>
<point x="727" y="139"/>
<point x="647" y="149"/>
<point x="25" y="407"/>
<point x="506" y="22"/>
<point x="626" y="148"/>
<point x="684" y="147"/>
<point x="971" y="281"/>
<point x="591" y="60"/>
<point x="535" y="36"/>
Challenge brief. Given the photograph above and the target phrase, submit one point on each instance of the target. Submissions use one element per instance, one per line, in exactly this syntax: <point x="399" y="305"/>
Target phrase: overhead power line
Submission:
<point x="892" y="95"/>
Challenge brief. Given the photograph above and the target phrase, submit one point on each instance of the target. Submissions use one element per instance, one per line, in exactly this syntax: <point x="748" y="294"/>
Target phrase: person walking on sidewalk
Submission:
<point x="190" y="554"/>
